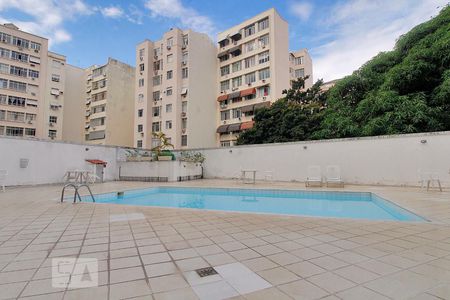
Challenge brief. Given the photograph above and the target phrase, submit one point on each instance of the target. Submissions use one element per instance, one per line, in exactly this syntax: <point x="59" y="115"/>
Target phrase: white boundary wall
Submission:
<point x="48" y="161"/>
<point x="387" y="160"/>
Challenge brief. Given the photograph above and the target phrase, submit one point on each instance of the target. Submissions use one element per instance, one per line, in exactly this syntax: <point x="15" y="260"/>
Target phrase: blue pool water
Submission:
<point x="306" y="203"/>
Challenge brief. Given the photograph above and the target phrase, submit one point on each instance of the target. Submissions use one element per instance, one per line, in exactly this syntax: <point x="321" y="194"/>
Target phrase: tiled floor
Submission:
<point x="146" y="252"/>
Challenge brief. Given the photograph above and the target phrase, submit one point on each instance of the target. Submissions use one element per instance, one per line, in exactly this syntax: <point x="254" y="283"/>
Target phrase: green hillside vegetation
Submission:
<point x="406" y="90"/>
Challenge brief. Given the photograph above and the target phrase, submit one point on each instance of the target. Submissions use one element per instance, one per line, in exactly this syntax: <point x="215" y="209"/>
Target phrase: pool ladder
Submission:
<point x="76" y="187"/>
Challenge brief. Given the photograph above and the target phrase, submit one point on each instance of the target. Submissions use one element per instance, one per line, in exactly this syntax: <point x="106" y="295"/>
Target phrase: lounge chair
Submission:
<point x="314" y="176"/>
<point x="3" y="175"/>
<point x="333" y="176"/>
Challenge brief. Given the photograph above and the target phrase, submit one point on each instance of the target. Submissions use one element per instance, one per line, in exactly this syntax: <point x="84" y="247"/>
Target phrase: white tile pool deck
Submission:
<point x="153" y="251"/>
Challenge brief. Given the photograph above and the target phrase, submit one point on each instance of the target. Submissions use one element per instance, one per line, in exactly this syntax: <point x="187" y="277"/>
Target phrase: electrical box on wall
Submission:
<point x="24" y="163"/>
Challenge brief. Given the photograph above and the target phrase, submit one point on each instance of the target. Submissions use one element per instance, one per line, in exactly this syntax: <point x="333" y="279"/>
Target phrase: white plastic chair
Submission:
<point x="429" y="179"/>
<point x="91" y="178"/>
<point x="314" y="176"/>
<point x="3" y="175"/>
<point x="268" y="176"/>
<point x="333" y="175"/>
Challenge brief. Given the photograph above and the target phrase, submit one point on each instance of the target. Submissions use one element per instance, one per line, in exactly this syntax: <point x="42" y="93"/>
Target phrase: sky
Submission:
<point x="340" y="35"/>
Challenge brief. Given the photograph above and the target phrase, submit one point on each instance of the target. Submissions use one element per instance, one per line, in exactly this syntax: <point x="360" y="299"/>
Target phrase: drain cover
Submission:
<point x="203" y="272"/>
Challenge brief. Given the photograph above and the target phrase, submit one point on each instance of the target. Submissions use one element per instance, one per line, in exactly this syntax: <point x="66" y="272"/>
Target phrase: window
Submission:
<point x="6" y="38"/>
<point x="141" y="98"/>
<point x="184" y="106"/>
<point x="156" y="127"/>
<point x="169" y="92"/>
<point x="99" y="71"/>
<point x="35" y="46"/>
<point x="3" y="99"/>
<point x="184" y="140"/>
<point x="140" y="113"/>
<point x="299" y="73"/>
<point x="185" y="40"/>
<point x="141" y="67"/>
<point x="237" y="113"/>
<point x="263" y="41"/>
<point x="168" y="124"/>
<point x="263" y="57"/>
<point x="236" y="82"/>
<point x="52" y="119"/>
<point x="225" y="85"/>
<point x="99" y="96"/>
<point x="224" y="115"/>
<point x="18" y="71"/>
<point x="157" y="80"/>
<point x="250" y="78"/>
<point x="224" y="57"/>
<point x="156" y="52"/>
<point x="141" y="82"/>
<point x="2" y="115"/>
<point x="168" y="108"/>
<point x="264" y="74"/>
<point x="4" y="68"/>
<point x="184" y="58"/>
<point x="3" y="83"/>
<point x="16" y="101"/>
<point x="20" y="42"/>
<point x="183" y="123"/>
<point x="169" y="58"/>
<point x="4" y="53"/>
<point x="263" y="91"/>
<point x="56" y="77"/>
<point x="14" y="131"/>
<point x="98" y="109"/>
<point x="169" y="74"/>
<point x="250" y="46"/>
<point x="52" y="134"/>
<point x="141" y="52"/>
<point x="139" y="143"/>
<point x="249" y="62"/>
<point x="249" y="30"/>
<point x="35" y="74"/>
<point x="97" y="122"/>
<point x="225" y="144"/>
<point x="30" y="131"/>
<point x="140" y="128"/>
<point x="263" y="24"/>
<point x="18" y="86"/>
<point x="236" y="66"/>
<point x="156" y="95"/>
<point x="156" y="111"/>
<point x="298" y="60"/>
<point x="157" y="65"/>
<point x="19" y="56"/>
<point x="225" y="70"/>
<point x="184" y="73"/>
<point x="15" y="116"/>
<point x="169" y="43"/>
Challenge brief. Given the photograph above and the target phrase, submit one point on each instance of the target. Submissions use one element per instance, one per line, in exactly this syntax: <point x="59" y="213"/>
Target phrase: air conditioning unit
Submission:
<point x="224" y="122"/>
<point x="32" y="78"/>
<point x="249" y="84"/>
<point x="234" y="89"/>
<point x="142" y="133"/>
<point x="37" y="51"/>
<point x="183" y="130"/>
<point x="183" y="114"/>
<point x="51" y="124"/>
<point x="169" y="47"/>
<point x="155" y="103"/>
<point x="184" y="63"/>
<point x="264" y="98"/>
<point x="263" y="46"/>
<point x="30" y="122"/>
<point x="33" y="65"/>
<point x="141" y="58"/>
<point x="263" y="80"/>
<point x="183" y="47"/>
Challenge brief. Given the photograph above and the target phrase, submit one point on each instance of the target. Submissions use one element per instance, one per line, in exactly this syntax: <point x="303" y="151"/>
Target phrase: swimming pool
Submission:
<point x="306" y="203"/>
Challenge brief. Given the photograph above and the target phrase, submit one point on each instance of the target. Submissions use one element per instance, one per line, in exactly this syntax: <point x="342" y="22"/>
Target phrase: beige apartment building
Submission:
<point x="253" y="71"/>
<point x="32" y="85"/>
<point x="109" y="104"/>
<point x="301" y="66"/>
<point x="175" y="83"/>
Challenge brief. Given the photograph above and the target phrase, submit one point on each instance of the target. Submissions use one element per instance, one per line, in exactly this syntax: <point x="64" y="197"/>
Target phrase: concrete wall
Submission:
<point x="163" y="169"/>
<point x="388" y="160"/>
<point x="48" y="161"/>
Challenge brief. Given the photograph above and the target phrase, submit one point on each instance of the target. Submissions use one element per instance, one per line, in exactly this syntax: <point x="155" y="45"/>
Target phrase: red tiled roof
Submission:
<point x="96" y="161"/>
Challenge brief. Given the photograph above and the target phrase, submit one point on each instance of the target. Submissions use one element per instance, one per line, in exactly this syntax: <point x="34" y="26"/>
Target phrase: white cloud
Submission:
<point x="360" y="29"/>
<point x="302" y="10"/>
<point x="47" y="16"/>
<point x="112" y="12"/>
<point x="186" y="16"/>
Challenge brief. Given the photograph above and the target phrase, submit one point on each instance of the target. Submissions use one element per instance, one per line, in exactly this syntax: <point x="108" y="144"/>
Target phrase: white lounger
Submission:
<point x="333" y="176"/>
<point x="314" y="176"/>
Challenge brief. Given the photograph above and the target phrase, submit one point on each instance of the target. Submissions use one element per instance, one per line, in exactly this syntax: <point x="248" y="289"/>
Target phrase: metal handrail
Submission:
<point x="76" y="187"/>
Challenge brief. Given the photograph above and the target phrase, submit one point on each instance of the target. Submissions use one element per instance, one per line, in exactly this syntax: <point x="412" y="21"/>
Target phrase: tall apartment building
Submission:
<point x="253" y="71"/>
<point x="175" y="83"/>
<point x="301" y="66"/>
<point x="109" y="104"/>
<point x="74" y="105"/>
<point x="32" y="84"/>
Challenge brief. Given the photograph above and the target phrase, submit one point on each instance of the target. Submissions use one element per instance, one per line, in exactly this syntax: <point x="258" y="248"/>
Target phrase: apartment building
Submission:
<point x="175" y="83"/>
<point x="109" y="104"/>
<point x="31" y="85"/>
<point x="301" y="66"/>
<point x="253" y="59"/>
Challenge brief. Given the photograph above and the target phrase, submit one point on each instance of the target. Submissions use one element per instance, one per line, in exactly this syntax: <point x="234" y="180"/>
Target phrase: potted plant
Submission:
<point x="162" y="150"/>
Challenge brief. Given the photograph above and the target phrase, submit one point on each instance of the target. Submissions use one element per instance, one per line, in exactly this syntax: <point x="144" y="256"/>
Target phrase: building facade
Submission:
<point x="109" y="104"/>
<point x="253" y="71"/>
<point x="174" y="84"/>
<point x="301" y="66"/>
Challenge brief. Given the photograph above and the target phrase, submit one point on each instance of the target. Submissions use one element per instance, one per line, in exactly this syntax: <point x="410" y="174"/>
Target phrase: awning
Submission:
<point x="184" y="91"/>
<point x="262" y="104"/>
<point x="248" y="108"/>
<point x="222" y="98"/>
<point x="234" y="127"/>
<point x="236" y="36"/>
<point x="250" y="91"/>
<point x="222" y="129"/>
<point x="222" y="54"/>
<point x="222" y="41"/>
<point x="234" y="95"/>
<point x="253" y="107"/>
<point x="96" y="162"/>
<point x="247" y="125"/>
